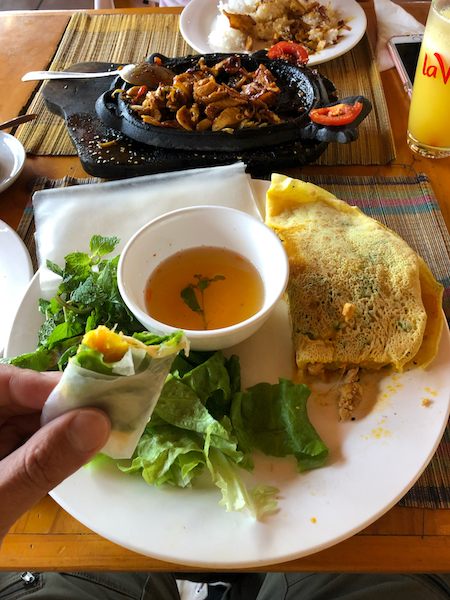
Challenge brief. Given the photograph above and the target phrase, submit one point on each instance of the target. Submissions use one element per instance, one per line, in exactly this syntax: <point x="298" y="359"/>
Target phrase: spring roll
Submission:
<point x="121" y="375"/>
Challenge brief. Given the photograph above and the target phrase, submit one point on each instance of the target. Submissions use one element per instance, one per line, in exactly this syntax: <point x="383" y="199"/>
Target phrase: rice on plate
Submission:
<point x="244" y="23"/>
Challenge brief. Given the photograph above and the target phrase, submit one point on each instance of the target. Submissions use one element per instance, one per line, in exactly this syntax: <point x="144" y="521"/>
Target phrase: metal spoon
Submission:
<point x="17" y="121"/>
<point x="148" y="74"/>
<point x="40" y="75"/>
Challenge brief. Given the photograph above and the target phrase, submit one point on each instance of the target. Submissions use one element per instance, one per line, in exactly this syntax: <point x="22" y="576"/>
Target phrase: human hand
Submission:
<point x="34" y="460"/>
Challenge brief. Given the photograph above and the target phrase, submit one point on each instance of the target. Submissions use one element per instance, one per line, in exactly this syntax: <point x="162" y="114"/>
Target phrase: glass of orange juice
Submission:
<point x="429" y="115"/>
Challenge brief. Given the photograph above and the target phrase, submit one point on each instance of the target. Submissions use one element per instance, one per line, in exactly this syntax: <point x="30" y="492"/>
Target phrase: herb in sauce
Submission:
<point x="189" y="297"/>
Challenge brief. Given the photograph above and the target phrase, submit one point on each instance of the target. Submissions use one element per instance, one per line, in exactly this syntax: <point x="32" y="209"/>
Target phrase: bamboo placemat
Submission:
<point x="406" y="205"/>
<point x="131" y="38"/>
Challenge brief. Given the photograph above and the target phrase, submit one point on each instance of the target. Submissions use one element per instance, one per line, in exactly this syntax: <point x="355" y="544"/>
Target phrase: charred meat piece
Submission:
<point x="188" y="117"/>
<point x="229" y="117"/>
<point x="263" y="87"/>
<point x="215" y="108"/>
<point x="222" y="96"/>
<point x="208" y="90"/>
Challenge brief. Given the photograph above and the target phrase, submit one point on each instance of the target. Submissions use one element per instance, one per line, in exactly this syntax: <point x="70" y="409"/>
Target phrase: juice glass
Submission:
<point x="429" y="116"/>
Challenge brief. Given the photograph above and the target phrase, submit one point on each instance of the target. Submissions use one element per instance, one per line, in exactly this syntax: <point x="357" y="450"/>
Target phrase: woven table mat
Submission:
<point x="406" y="205"/>
<point x="131" y="38"/>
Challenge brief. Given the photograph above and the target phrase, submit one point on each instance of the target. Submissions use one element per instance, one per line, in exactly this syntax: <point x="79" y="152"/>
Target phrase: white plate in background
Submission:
<point x="15" y="274"/>
<point x="199" y="18"/>
<point x="12" y="159"/>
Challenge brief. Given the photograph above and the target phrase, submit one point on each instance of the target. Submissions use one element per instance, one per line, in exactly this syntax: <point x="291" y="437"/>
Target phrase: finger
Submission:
<point x="25" y="388"/>
<point x="53" y="453"/>
<point x="16" y="430"/>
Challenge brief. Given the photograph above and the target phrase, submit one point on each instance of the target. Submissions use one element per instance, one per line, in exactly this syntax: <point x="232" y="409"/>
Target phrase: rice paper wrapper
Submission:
<point x="128" y="398"/>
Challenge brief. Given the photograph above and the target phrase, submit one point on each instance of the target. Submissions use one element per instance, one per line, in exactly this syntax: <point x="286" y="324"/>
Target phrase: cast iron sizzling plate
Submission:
<point x="302" y="89"/>
<point x="74" y="101"/>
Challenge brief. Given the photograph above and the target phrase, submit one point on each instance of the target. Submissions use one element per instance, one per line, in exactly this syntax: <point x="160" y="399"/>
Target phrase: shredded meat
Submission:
<point x="201" y="99"/>
<point x="311" y="24"/>
<point x="188" y="117"/>
<point x="315" y="369"/>
<point x="263" y="87"/>
<point x="350" y="394"/>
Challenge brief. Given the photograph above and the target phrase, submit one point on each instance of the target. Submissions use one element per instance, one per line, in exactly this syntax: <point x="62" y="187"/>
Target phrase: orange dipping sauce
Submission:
<point x="233" y="289"/>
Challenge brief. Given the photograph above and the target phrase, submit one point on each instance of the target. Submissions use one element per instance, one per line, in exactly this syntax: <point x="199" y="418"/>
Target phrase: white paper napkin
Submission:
<point x="392" y="20"/>
<point x="67" y="218"/>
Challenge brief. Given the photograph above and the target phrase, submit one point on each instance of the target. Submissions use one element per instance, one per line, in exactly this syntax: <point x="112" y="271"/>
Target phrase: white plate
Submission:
<point x="373" y="462"/>
<point x="15" y="274"/>
<point x="12" y="159"/>
<point x="199" y="17"/>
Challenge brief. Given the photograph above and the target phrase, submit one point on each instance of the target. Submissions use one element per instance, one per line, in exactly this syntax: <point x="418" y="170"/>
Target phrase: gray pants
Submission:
<point x="88" y="586"/>
<point x="274" y="586"/>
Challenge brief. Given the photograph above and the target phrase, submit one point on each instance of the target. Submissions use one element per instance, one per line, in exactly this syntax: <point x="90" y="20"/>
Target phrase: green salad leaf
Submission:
<point x="183" y="438"/>
<point x="274" y="420"/>
<point x="203" y="422"/>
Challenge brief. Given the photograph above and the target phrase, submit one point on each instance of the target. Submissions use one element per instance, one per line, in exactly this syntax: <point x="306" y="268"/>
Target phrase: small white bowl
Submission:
<point x="192" y="227"/>
<point x="12" y="159"/>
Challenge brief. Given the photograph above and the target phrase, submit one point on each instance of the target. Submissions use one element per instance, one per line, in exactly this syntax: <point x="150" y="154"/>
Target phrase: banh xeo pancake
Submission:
<point x="358" y="295"/>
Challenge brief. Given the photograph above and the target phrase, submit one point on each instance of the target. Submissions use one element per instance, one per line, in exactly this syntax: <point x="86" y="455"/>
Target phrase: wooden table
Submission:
<point x="47" y="538"/>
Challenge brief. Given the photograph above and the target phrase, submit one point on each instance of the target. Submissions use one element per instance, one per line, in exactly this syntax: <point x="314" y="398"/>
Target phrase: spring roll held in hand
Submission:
<point x="120" y="375"/>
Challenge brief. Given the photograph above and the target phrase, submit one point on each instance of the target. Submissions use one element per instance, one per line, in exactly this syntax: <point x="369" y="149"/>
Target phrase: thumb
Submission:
<point x="53" y="453"/>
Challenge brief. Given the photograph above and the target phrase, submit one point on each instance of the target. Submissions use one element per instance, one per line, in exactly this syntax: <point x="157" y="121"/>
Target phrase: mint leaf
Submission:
<point x="234" y="372"/>
<point x="46" y="329"/>
<point x="54" y="268"/>
<point x="189" y="297"/>
<point x="103" y="245"/>
<point x="202" y="284"/>
<point x="63" y="331"/>
<point x="78" y="262"/>
<point x="93" y="320"/>
<point x="89" y="293"/>
<point x="44" y="306"/>
<point x="107" y="278"/>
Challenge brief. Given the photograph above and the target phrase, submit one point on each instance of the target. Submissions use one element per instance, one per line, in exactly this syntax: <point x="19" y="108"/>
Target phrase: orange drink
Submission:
<point x="429" y="117"/>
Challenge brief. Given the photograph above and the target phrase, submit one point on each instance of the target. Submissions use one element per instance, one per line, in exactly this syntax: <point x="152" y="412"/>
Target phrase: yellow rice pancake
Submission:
<point x="358" y="295"/>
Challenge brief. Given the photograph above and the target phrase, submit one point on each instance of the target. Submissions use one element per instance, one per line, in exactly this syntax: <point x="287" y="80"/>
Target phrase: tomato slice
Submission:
<point x="142" y="92"/>
<point x="289" y="51"/>
<point x="339" y="114"/>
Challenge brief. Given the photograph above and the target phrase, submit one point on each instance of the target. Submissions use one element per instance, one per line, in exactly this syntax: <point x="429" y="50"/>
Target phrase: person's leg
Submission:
<point x="243" y="586"/>
<point x="334" y="586"/>
<point x="88" y="586"/>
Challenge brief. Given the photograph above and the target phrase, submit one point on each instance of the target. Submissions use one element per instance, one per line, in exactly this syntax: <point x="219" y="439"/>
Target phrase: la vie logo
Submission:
<point x="431" y="70"/>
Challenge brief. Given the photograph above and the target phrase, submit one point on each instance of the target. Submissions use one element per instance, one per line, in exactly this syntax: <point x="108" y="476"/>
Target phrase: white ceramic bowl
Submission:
<point x="209" y="226"/>
<point x="12" y="159"/>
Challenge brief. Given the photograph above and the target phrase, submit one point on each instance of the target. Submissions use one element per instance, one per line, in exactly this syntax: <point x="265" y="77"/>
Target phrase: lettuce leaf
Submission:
<point x="203" y="422"/>
<point x="166" y="454"/>
<point x="235" y="496"/>
<point x="183" y="438"/>
<point x="274" y="420"/>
